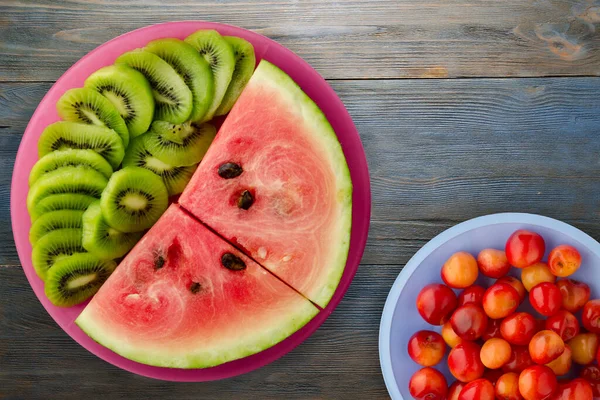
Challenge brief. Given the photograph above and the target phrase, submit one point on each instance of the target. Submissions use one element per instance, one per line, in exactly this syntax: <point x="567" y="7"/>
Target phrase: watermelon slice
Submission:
<point x="276" y="184"/>
<point x="185" y="298"/>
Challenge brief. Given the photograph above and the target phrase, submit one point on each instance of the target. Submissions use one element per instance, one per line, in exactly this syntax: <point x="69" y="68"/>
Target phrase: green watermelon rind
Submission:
<point x="268" y="74"/>
<point x="304" y="311"/>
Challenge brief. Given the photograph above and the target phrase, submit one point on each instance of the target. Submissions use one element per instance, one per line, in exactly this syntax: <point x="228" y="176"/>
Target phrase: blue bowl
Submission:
<point x="400" y="319"/>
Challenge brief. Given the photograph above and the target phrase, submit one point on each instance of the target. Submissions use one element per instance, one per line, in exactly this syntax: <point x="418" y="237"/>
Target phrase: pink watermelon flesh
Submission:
<point x="299" y="223"/>
<point x="172" y="303"/>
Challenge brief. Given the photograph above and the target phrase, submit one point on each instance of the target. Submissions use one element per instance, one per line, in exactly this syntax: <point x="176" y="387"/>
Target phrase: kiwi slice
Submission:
<point x="219" y="55"/>
<point x="54" y="246"/>
<point x="129" y="91"/>
<point x="183" y="144"/>
<point x="69" y="157"/>
<point x="174" y="101"/>
<point x="64" y="201"/>
<point x="60" y="219"/>
<point x="75" y="279"/>
<point x="174" y="178"/>
<point x="80" y="180"/>
<point x="134" y="199"/>
<point x="75" y="135"/>
<point x="103" y="241"/>
<point x="193" y="68"/>
<point x="90" y="107"/>
<point x="245" y="61"/>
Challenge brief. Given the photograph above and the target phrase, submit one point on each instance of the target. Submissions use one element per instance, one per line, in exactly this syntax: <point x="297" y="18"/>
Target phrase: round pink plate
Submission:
<point x="308" y="79"/>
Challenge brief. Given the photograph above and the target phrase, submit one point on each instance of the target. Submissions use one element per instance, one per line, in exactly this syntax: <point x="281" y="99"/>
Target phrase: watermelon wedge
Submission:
<point x="185" y="298"/>
<point x="276" y="184"/>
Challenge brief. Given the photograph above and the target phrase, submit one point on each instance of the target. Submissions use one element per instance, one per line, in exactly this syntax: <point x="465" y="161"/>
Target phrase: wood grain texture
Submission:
<point x="342" y="39"/>
<point x="340" y="361"/>
<point x="439" y="151"/>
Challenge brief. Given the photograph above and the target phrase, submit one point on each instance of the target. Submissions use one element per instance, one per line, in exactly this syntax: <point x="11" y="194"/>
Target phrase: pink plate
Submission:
<point x="308" y="79"/>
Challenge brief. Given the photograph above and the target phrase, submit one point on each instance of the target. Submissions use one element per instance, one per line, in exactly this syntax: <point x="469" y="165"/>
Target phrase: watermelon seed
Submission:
<point x="245" y="200"/>
<point x="232" y="262"/>
<point x="195" y="288"/>
<point x="230" y="170"/>
<point x="159" y="262"/>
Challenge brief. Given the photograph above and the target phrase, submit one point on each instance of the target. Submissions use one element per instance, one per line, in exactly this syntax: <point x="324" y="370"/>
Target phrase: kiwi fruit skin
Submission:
<point x="245" y="62"/>
<point x="219" y="55"/>
<point x="134" y="199"/>
<point x="174" y="178"/>
<point x="173" y="99"/>
<point x="79" y="179"/>
<point x="75" y="135"/>
<point x="60" y="219"/>
<point x="74" y="279"/>
<point x="183" y="144"/>
<point x="103" y="241"/>
<point x="193" y="68"/>
<point x="90" y="107"/>
<point x="69" y="157"/>
<point x="54" y="246"/>
<point x="129" y="91"/>
<point x="63" y="201"/>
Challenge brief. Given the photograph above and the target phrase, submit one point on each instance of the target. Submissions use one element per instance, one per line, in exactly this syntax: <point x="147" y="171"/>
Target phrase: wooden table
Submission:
<point x="464" y="109"/>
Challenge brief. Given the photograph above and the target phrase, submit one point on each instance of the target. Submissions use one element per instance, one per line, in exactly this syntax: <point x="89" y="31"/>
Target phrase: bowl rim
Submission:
<point x="385" y="359"/>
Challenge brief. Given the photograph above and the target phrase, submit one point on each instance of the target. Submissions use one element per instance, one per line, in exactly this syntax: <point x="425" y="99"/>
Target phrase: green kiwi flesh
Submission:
<point x="74" y="135"/>
<point x="69" y="157"/>
<point x="129" y="91"/>
<point x="245" y="61"/>
<point x="51" y="221"/>
<point x="134" y="199"/>
<point x="193" y="68"/>
<point x="74" y="279"/>
<point x="79" y="180"/>
<point x="174" y="178"/>
<point x="102" y="240"/>
<point x="54" y="246"/>
<point x="184" y="144"/>
<point x="90" y="107"/>
<point x="173" y="99"/>
<point x="219" y="55"/>
<point x="64" y="201"/>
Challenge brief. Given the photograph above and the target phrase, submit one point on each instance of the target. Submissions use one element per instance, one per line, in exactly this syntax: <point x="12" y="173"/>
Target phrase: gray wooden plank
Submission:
<point x="342" y="39"/>
<point x="39" y="361"/>
<point x="440" y="152"/>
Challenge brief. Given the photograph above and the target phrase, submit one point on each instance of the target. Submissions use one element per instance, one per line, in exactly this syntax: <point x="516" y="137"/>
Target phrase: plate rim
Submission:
<point x="361" y="210"/>
<point x="385" y="325"/>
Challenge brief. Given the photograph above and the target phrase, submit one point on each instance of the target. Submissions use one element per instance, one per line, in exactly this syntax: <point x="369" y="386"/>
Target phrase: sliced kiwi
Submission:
<point x="64" y="201"/>
<point x="54" y="246"/>
<point x="174" y="100"/>
<point x="51" y="221"/>
<point x="193" y="68"/>
<point x="219" y="55"/>
<point x="175" y="178"/>
<point x="74" y="135"/>
<point x="245" y="61"/>
<point x="134" y="199"/>
<point x="75" y="279"/>
<point x="183" y="144"/>
<point x="103" y="241"/>
<point x="79" y="180"/>
<point x="129" y="91"/>
<point x="69" y="157"/>
<point x="90" y="107"/>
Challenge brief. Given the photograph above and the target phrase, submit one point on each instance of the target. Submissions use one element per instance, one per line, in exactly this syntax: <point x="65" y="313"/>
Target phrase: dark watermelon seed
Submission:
<point x="245" y="200"/>
<point x="195" y="287"/>
<point x="232" y="262"/>
<point x="230" y="170"/>
<point x="159" y="262"/>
